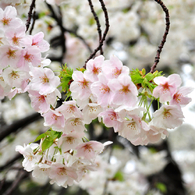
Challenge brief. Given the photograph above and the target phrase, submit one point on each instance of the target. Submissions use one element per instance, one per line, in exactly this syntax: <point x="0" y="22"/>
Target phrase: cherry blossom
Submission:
<point x="166" y="87"/>
<point x="125" y="92"/>
<point x="94" y="68"/>
<point x="39" y="42"/>
<point x="29" y="157"/>
<point x="111" y="119"/>
<point x="62" y="175"/>
<point x="168" y="116"/>
<point x="8" y="18"/>
<point x="113" y="68"/>
<point x="54" y="119"/>
<point x="69" y="109"/>
<point x="102" y="91"/>
<point x="80" y="87"/>
<point x="43" y="80"/>
<point x="89" y="150"/>
<point x="179" y="98"/>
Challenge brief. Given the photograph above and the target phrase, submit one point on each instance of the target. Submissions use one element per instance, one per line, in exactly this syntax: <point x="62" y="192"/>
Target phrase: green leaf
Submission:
<point x="119" y="176"/>
<point x="162" y="187"/>
<point x="66" y="77"/>
<point x="149" y="76"/>
<point x="143" y="71"/>
<point x="46" y="144"/>
<point x="43" y="135"/>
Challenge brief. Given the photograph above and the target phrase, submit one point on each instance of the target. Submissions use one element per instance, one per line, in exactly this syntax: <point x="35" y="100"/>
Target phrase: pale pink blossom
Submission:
<point x="94" y="68"/>
<point x="113" y="68"/>
<point x="89" y="150"/>
<point x="102" y="91"/>
<point x="90" y="112"/>
<point x="158" y="130"/>
<point x="125" y="92"/>
<point x="4" y="88"/>
<point x="134" y="129"/>
<point x="30" y="158"/>
<point x="17" y="36"/>
<point x="111" y="119"/>
<point x="69" y="109"/>
<point x="39" y="42"/>
<point x="179" y="98"/>
<point x="168" y="116"/>
<point x="8" y="18"/>
<point x="70" y="141"/>
<point x="80" y="87"/>
<point x="62" y="175"/>
<point x="54" y="119"/>
<point x="30" y="55"/>
<point x="42" y="103"/>
<point x="74" y="124"/>
<point x="43" y="80"/>
<point x="41" y="171"/>
<point x="166" y="87"/>
<point x="14" y="77"/>
<point x="9" y="56"/>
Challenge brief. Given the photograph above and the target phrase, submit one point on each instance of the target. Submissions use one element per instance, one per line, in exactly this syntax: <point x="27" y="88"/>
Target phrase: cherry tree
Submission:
<point x="96" y="103"/>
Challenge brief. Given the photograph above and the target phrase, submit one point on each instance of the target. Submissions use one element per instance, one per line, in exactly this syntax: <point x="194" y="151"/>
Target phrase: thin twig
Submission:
<point x="97" y="22"/>
<point x="32" y="6"/>
<point x="105" y="32"/>
<point x="157" y="58"/>
<point x="33" y="24"/>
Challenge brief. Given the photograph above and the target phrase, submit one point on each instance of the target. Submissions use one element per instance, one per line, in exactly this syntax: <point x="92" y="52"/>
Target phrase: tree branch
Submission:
<point x="33" y="24"/>
<point x="97" y="22"/>
<point x="8" y="129"/>
<point x="32" y="6"/>
<point x="105" y="32"/>
<point x="157" y="58"/>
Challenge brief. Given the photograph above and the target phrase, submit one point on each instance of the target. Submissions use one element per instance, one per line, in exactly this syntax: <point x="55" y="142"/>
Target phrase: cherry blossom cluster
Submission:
<point x="22" y="70"/>
<point x="20" y="53"/>
<point x="62" y="165"/>
<point x="105" y="90"/>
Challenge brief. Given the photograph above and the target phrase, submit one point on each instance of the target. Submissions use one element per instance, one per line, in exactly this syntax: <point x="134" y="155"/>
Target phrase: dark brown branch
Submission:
<point x="33" y="24"/>
<point x="32" y="6"/>
<point x="157" y="58"/>
<point x="97" y="22"/>
<point x="105" y="32"/>
<point x="8" y="129"/>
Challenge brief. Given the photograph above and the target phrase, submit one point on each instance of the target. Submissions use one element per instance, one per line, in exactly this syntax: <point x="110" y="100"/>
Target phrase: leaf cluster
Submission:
<point x="141" y="79"/>
<point x="66" y="79"/>
<point x="48" y="138"/>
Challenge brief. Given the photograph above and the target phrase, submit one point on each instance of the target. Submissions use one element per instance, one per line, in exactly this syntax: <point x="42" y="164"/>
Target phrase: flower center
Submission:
<point x="166" y="86"/>
<point x="6" y="21"/>
<point x="14" y="75"/>
<point x="11" y="53"/>
<point x="28" y="57"/>
<point x="125" y="89"/>
<point x="166" y="113"/>
<point x="104" y="89"/>
<point x="177" y="97"/>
